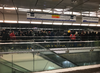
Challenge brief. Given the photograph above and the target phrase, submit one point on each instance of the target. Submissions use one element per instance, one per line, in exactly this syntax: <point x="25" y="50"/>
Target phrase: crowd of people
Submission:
<point x="73" y="35"/>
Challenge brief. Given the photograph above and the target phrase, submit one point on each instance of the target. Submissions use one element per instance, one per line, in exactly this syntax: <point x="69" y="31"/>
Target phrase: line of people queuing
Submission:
<point x="73" y="35"/>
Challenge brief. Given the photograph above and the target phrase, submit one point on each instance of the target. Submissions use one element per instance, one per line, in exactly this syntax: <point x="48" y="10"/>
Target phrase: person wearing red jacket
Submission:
<point x="12" y="36"/>
<point x="72" y="36"/>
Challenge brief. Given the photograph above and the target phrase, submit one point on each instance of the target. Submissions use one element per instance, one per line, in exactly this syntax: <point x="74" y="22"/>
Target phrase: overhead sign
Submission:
<point x="90" y="19"/>
<point x="51" y="17"/>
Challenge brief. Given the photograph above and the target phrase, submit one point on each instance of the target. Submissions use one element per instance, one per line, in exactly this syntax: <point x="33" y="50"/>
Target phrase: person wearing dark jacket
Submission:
<point x="5" y="36"/>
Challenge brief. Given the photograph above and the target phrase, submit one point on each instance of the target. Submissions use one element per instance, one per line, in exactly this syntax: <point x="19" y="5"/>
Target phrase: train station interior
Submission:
<point x="49" y="36"/>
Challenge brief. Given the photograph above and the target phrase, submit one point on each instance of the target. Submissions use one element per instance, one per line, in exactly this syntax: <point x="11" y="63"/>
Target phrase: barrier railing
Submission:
<point x="50" y="38"/>
<point x="34" y="57"/>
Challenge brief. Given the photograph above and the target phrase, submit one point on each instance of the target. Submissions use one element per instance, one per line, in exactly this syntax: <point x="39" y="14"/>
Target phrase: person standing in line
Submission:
<point x="12" y="36"/>
<point x="72" y="36"/>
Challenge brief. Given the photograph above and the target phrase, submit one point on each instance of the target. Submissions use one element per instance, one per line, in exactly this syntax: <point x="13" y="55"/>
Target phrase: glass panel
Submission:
<point x="33" y="56"/>
<point x="9" y="60"/>
<point x="7" y="69"/>
<point x="41" y="64"/>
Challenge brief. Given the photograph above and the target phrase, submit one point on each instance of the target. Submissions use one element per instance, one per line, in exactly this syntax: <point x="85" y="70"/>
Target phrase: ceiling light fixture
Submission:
<point x="86" y="14"/>
<point x="68" y="12"/>
<point x="36" y="22"/>
<point x="92" y="14"/>
<point x="38" y="10"/>
<point x="1" y="20"/>
<point x="1" y="7"/>
<point x="67" y="23"/>
<point x="58" y="9"/>
<point x="57" y="12"/>
<point x="76" y="13"/>
<point x="23" y="9"/>
<point x="46" y="10"/>
<point x="9" y="8"/>
<point x="75" y="24"/>
<point x="10" y="21"/>
<point x="47" y="23"/>
<point x="23" y="21"/>
<point x="84" y="24"/>
<point x="92" y="25"/>
<point x="98" y="25"/>
<point x="57" y="23"/>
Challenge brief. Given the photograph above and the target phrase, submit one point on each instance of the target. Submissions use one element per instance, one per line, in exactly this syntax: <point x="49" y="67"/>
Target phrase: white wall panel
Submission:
<point x="23" y="18"/>
<point x="1" y="16"/>
<point x="10" y="17"/>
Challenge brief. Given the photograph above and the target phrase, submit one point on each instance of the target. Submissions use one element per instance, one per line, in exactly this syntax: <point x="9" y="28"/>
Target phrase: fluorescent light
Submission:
<point x="92" y="14"/>
<point x="76" y="13"/>
<point x="36" y="22"/>
<point x="98" y="15"/>
<point x="9" y="8"/>
<point x="46" y="10"/>
<point x="23" y="9"/>
<point x="38" y="10"/>
<point x="57" y="12"/>
<point x="50" y="12"/>
<point x="1" y="20"/>
<point x="75" y="24"/>
<point x="10" y="21"/>
<point x="1" y="7"/>
<point x="68" y="12"/>
<point x="66" y="23"/>
<point x="57" y="23"/>
<point x="86" y="12"/>
<point x="98" y="25"/>
<point x="84" y="24"/>
<point x="47" y="23"/>
<point x="92" y="25"/>
<point x="23" y="21"/>
<point x="58" y="9"/>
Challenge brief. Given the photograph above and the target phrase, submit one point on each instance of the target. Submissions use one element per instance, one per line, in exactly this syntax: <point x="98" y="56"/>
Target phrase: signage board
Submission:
<point x="90" y="19"/>
<point x="56" y="17"/>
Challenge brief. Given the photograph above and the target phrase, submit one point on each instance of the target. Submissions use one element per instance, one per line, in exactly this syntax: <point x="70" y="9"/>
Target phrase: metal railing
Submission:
<point x="50" y="38"/>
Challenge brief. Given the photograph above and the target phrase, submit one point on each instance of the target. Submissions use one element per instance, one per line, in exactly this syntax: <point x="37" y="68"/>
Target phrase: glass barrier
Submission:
<point x="70" y="44"/>
<point x="26" y="62"/>
<point x="35" y="56"/>
<point x="6" y="69"/>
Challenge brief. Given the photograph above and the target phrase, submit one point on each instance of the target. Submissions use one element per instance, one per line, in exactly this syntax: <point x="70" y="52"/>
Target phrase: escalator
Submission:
<point x="58" y="60"/>
<point x="55" y="58"/>
<point x="13" y="66"/>
<point x="83" y="58"/>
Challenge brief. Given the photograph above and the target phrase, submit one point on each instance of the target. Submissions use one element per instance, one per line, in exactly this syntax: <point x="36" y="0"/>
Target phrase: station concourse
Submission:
<point x="49" y="36"/>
